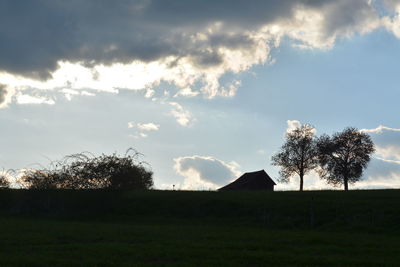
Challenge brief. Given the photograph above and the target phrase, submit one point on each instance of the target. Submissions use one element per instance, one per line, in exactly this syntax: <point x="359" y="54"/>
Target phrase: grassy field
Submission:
<point x="164" y="228"/>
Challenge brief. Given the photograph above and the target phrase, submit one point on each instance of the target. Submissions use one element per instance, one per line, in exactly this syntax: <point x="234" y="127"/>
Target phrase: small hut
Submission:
<point x="258" y="180"/>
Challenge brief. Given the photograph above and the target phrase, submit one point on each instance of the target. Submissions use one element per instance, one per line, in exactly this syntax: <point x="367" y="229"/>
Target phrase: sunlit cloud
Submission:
<point x="292" y="125"/>
<point x="182" y="116"/>
<point x="5" y="95"/>
<point x="379" y="129"/>
<point x="140" y="50"/>
<point x="24" y="99"/>
<point x="143" y="129"/>
<point x="387" y="142"/>
<point x="295" y="124"/>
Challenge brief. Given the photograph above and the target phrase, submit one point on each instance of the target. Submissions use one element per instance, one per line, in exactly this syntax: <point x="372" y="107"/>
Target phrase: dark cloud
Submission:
<point x="343" y="16"/>
<point x="35" y="35"/>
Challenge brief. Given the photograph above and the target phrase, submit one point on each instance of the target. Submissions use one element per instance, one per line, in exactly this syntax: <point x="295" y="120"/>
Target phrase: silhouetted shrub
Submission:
<point x="4" y="183"/>
<point x="85" y="171"/>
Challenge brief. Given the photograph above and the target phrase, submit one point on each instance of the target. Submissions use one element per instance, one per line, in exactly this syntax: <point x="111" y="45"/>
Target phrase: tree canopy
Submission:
<point x="344" y="156"/>
<point x="297" y="155"/>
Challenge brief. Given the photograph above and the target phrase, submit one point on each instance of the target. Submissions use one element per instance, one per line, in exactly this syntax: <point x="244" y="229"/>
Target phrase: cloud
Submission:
<point x="139" y="44"/>
<point x="182" y="116"/>
<point x="142" y="129"/>
<point x="392" y="23"/>
<point x="294" y="124"/>
<point x="202" y="172"/>
<point x="187" y="92"/>
<point x="387" y="142"/>
<point x="148" y="126"/>
<point x="69" y="93"/>
<point x="379" y="129"/>
<point x="29" y="99"/>
<point x="381" y="173"/>
<point x="384" y="168"/>
<point x="5" y="95"/>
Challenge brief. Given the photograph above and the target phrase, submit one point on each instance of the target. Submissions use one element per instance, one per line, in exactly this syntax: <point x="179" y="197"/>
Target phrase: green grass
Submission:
<point x="159" y="228"/>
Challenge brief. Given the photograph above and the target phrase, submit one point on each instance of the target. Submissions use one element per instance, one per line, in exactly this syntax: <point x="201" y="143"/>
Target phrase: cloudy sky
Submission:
<point x="204" y="89"/>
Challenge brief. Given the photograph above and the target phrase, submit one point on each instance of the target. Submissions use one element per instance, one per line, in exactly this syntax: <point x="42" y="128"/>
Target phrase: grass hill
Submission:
<point x="103" y="227"/>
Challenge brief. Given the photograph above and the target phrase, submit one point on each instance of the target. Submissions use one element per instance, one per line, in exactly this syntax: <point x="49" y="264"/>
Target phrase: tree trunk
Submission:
<point x="301" y="182"/>
<point x="346" y="184"/>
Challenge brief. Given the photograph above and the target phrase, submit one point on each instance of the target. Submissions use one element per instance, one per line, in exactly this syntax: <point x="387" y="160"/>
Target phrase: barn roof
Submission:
<point x="258" y="180"/>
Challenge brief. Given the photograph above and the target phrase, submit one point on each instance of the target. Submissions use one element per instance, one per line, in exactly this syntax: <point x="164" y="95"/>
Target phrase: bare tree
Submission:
<point x="344" y="156"/>
<point x="298" y="155"/>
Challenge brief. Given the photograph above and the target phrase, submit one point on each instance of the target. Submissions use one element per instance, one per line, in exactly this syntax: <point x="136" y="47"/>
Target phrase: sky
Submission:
<point x="205" y="90"/>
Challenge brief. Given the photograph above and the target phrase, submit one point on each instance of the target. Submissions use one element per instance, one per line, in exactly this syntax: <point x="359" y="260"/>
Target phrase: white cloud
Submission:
<point x="182" y="116"/>
<point x="204" y="172"/>
<point x="28" y="99"/>
<point x="387" y="141"/>
<point x="186" y="92"/>
<point x="69" y="93"/>
<point x="142" y="129"/>
<point x="86" y="93"/>
<point x="381" y="173"/>
<point x="388" y="160"/>
<point x="392" y="22"/>
<point x="292" y="125"/>
<point x="5" y="95"/>
<point x="379" y="129"/>
<point x="149" y="93"/>
<point x="295" y="124"/>
<point x="148" y="126"/>
<point x="389" y="151"/>
<point x="230" y="89"/>
<point x="131" y="124"/>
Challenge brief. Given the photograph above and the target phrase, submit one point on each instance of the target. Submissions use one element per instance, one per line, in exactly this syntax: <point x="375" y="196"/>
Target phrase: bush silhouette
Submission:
<point x="4" y="183"/>
<point x="85" y="171"/>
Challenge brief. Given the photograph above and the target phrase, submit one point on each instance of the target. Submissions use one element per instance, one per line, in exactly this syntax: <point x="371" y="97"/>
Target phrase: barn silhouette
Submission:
<point x="258" y="180"/>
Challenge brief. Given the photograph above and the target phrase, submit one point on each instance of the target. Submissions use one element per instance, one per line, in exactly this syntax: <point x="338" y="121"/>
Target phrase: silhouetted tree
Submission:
<point x="297" y="155"/>
<point x="84" y="171"/>
<point x="343" y="156"/>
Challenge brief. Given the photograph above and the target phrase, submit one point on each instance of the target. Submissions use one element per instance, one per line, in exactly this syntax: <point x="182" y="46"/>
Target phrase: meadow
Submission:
<point x="181" y="228"/>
